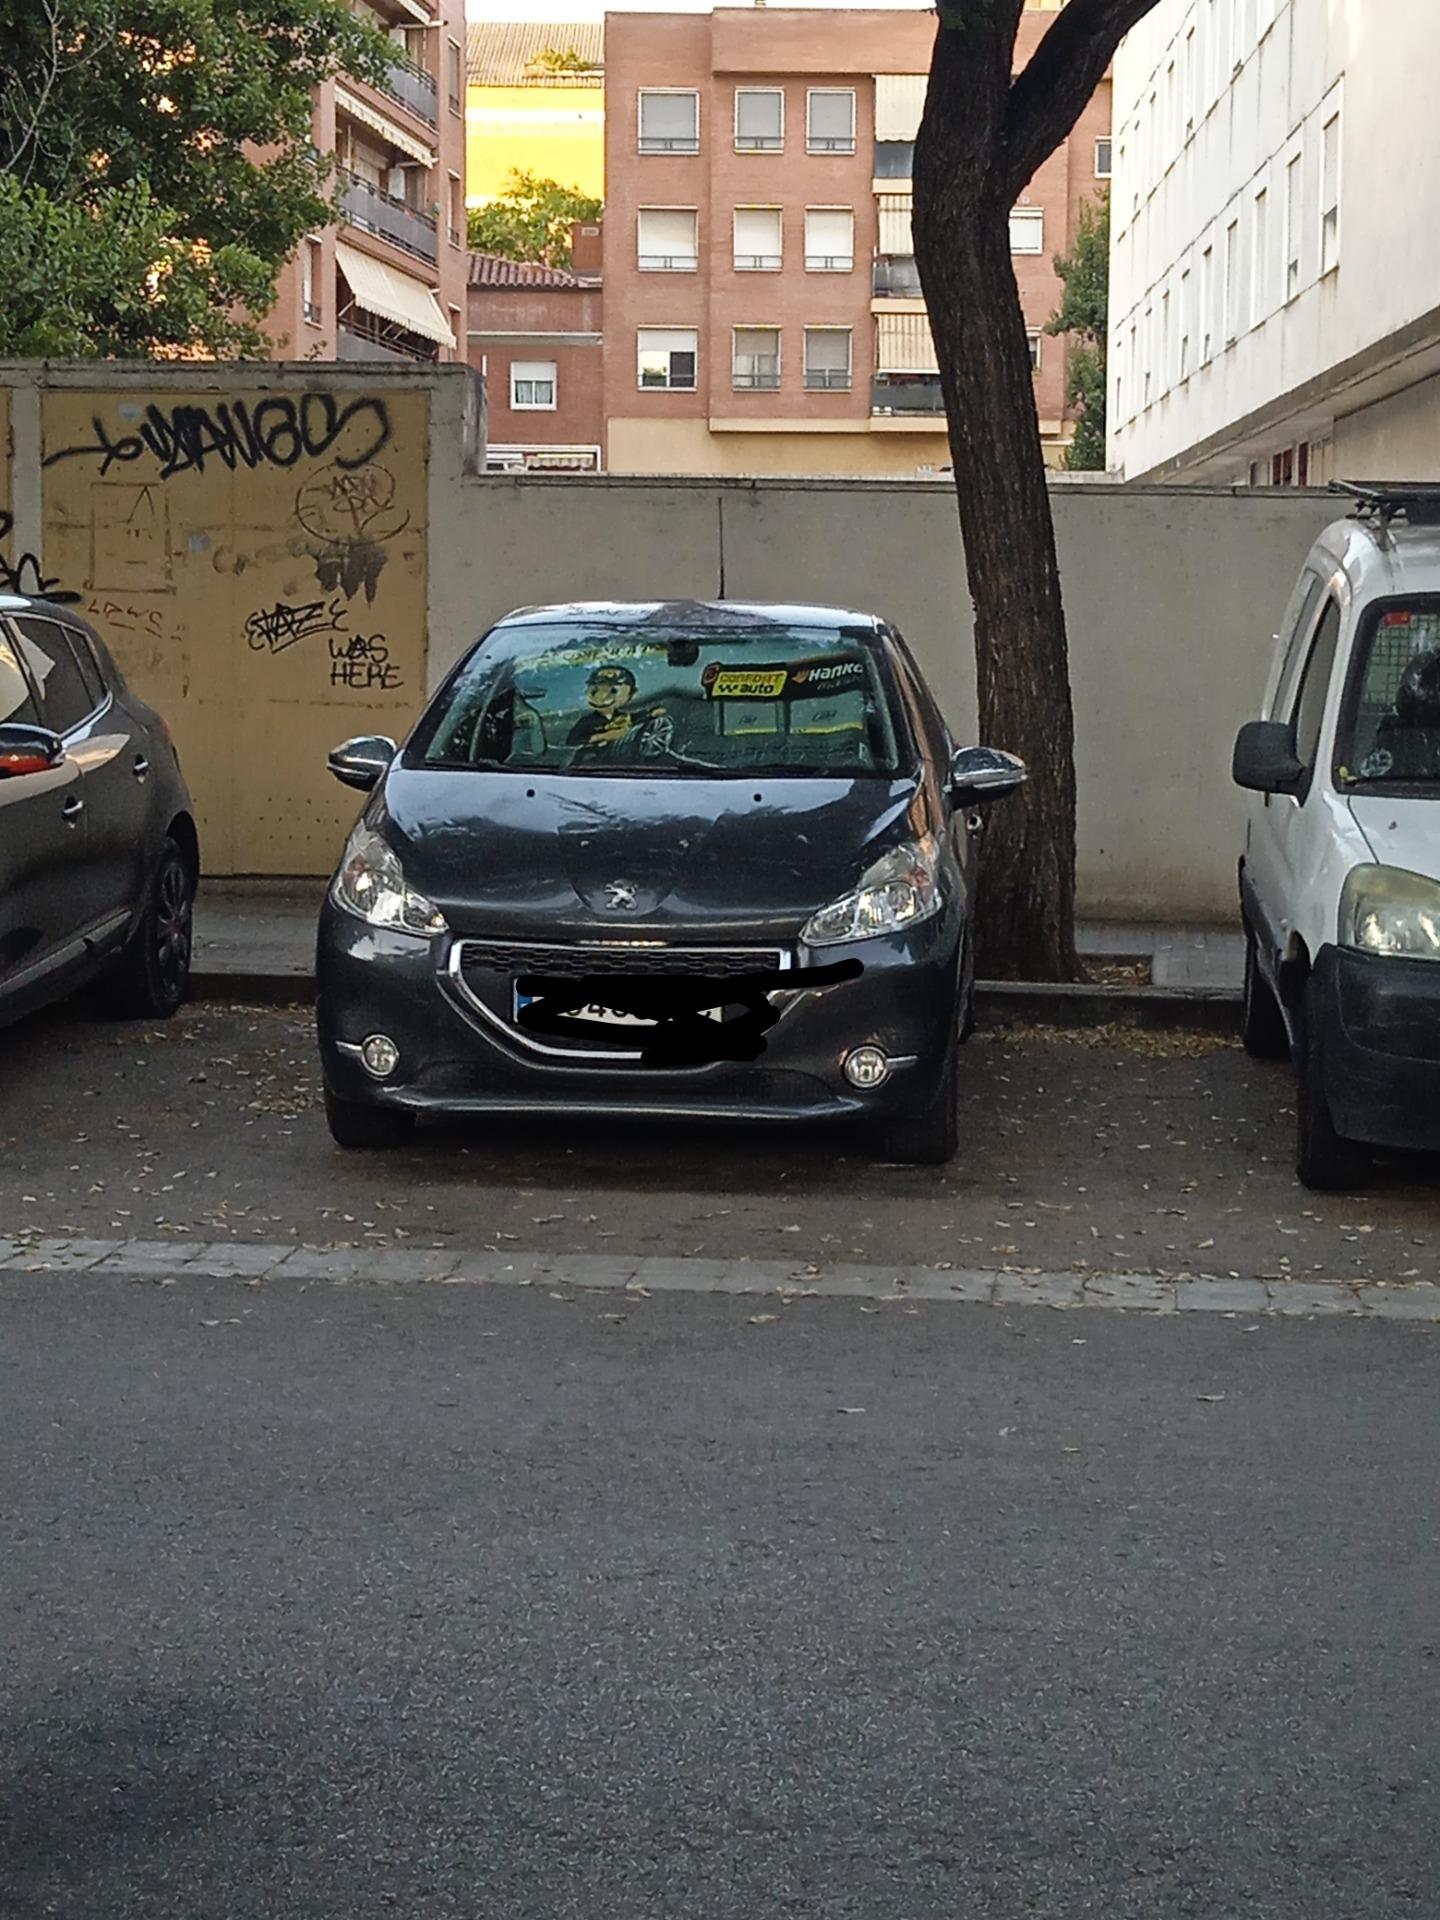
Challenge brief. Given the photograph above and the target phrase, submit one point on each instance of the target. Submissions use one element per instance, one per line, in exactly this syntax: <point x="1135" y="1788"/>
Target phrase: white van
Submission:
<point x="1340" y="877"/>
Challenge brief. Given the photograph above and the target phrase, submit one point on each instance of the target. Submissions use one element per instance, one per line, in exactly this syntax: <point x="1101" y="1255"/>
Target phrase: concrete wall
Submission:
<point x="1172" y="599"/>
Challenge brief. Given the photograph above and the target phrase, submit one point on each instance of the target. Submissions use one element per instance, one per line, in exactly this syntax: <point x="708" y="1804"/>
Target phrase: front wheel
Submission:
<point x="152" y="978"/>
<point x="365" y="1129"/>
<point x="1325" y="1161"/>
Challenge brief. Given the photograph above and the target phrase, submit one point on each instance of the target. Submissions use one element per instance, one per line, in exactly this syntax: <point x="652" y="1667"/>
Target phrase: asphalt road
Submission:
<point x="1147" y="1153"/>
<point x="350" y="1602"/>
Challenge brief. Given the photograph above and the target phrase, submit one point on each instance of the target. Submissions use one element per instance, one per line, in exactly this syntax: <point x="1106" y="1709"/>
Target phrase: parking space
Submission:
<point x="1105" y="1151"/>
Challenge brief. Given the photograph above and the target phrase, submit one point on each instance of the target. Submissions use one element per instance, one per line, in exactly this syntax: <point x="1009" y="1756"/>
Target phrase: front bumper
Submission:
<point x="458" y="1058"/>
<point x="1380" y="1047"/>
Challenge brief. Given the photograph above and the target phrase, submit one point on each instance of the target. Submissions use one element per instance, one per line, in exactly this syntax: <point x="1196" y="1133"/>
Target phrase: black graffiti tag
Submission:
<point x="362" y="662"/>
<point x="23" y="575"/>
<point x="276" y="432"/>
<point x="273" y="629"/>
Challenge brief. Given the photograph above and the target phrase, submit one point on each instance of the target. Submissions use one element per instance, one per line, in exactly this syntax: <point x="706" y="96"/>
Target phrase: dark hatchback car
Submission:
<point x="99" y="858"/>
<point x="684" y="861"/>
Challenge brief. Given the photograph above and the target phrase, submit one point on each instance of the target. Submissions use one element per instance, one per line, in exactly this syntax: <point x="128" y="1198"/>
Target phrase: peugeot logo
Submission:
<point x="620" y="896"/>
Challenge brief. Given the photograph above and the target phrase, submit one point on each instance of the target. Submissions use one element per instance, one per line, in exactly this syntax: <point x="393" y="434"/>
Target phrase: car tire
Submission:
<point x="152" y="977"/>
<point x="930" y="1137"/>
<point x="1263" y="1031"/>
<point x="361" y="1128"/>
<point x="1325" y="1160"/>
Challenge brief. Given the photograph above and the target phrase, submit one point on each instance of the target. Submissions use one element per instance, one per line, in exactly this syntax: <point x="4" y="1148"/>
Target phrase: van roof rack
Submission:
<point x="1417" y="502"/>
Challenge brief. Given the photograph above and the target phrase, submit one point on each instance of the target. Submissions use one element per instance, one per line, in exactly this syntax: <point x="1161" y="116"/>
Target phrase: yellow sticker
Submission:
<point x="738" y="683"/>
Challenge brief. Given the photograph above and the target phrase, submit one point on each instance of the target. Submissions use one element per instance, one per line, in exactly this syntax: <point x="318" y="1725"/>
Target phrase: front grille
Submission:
<point x="487" y="957"/>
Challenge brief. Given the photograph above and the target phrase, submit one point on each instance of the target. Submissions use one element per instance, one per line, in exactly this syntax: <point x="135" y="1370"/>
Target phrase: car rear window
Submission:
<point x="703" y="701"/>
<point x="17" y="704"/>
<point x="66" y="693"/>
<point x="1390" y="726"/>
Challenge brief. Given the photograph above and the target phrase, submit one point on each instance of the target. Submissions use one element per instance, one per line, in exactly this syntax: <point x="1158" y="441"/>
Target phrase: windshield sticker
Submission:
<point x="745" y="683"/>
<point x="1377" y="763"/>
<point x="802" y="680"/>
<point x="829" y="676"/>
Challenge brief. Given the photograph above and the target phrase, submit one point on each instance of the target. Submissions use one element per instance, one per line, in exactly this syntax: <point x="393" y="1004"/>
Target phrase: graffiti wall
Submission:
<point x="257" y="564"/>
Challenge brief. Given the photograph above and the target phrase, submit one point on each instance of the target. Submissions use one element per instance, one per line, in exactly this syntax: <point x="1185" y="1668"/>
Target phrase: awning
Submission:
<point x="382" y="124"/>
<point x="904" y="344"/>
<point x="899" y="103"/>
<point x="392" y="295"/>
<point x="895" y="231"/>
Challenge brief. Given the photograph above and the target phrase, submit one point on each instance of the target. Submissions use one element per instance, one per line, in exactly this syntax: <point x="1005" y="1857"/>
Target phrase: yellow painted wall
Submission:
<point x="557" y="133"/>
<point x="640" y="445"/>
<point x="257" y="562"/>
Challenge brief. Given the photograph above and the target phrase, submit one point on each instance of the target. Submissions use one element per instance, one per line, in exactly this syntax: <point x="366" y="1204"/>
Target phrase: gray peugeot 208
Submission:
<point x="685" y="860"/>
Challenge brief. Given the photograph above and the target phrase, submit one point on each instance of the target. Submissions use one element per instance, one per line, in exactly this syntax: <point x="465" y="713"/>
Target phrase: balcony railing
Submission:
<point x="829" y="262"/>
<point x="414" y="88"/>
<point x="827" y="379"/>
<point x="381" y="213"/>
<point x="668" y="262"/>
<point x="897" y="278"/>
<point x="360" y="339"/>
<point x="757" y="262"/>
<point x="907" y="394"/>
<point x="762" y="375"/>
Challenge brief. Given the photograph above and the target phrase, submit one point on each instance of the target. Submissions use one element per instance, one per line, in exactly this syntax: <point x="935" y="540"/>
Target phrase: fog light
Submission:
<point x="867" y="1068"/>
<point x="380" y="1055"/>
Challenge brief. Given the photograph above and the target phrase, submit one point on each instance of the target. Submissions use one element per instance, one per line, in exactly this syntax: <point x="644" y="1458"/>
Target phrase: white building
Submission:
<point x="1275" y="268"/>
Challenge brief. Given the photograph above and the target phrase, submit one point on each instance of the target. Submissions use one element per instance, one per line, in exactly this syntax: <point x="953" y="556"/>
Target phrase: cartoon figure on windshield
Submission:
<point x="614" y="721"/>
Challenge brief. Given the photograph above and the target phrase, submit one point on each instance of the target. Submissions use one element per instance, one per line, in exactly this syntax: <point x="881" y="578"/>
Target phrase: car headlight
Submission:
<point x="371" y="884"/>
<point x="899" y="891"/>
<point x="1387" y="910"/>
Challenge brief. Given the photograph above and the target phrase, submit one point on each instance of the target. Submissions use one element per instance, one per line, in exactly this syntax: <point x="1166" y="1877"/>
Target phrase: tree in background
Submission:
<point x="1084" y="315"/>
<point x="530" y="220"/>
<point x="156" y="171"/>
<point x="984" y="132"/>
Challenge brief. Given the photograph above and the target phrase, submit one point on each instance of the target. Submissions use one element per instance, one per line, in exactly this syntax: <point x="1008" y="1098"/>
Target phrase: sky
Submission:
<point x="596" y="9"/>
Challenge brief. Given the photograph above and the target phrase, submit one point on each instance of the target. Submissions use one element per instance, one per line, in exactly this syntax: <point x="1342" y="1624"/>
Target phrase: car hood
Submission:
<point x="550" y="854"/>
<point x="1401" y="832"/>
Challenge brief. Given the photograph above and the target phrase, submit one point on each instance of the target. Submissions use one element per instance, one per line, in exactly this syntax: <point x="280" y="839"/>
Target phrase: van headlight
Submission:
<point x="1387" y="910"/>
<point x="371" y="885"/>
<point x="899" y="891"/>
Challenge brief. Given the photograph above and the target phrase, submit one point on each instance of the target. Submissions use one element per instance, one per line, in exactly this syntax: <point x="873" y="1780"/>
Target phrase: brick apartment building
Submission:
<point x="762" y="308"/>
<point x="388" y="281"/>
<point x="535" y="334"/>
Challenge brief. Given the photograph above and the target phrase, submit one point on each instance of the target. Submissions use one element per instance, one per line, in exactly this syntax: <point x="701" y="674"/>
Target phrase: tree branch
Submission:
<point x="1050" y="95"/>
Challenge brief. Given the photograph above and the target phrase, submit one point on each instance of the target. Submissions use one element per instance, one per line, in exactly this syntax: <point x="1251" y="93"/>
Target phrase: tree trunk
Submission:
<point x="1025" y="905"/>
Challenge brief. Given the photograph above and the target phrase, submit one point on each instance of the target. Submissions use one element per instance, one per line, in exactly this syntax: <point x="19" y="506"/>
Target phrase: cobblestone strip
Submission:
<point x="348" y="1266"/>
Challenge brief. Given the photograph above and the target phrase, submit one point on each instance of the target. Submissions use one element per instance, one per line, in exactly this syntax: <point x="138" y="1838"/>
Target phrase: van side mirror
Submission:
<point x="364" y="761"/>
<point x="1265" y="759"/>
<point x="28" y="750"/>
<point x="978" y="774"/>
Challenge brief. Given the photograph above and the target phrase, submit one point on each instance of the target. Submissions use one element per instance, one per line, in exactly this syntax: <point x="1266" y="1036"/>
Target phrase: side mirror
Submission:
<point x="984" y="773"/>
<point x="28" y="750"/>
<point x="363" y="762"/>
<point x="1265" y="759"/>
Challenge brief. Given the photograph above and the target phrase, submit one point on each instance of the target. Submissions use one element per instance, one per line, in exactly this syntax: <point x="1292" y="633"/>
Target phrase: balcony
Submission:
<point x="896" y="278"/>
<point x="381" y="213"/>
<point x="360" y="338"/>
<point x="414" y="89"/>
<point x="907" y="394"/>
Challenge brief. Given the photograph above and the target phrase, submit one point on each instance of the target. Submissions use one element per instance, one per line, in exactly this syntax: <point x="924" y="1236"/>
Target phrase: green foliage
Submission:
<point x="1083" y="315"/>
<point x="156" y="171"/>
<point x="561" y="60"/>
<point x="531" y="220"/>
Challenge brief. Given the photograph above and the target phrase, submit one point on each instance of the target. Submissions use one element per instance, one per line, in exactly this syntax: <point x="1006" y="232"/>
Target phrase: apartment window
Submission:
<point x="1207" y="305"/>
<point x="1187" y="323"/>
<point x="755" y="358"/>
<point x="1165" y="339"/>
<point x="1330" y="195"/>
<point x="1027" y="230"/>
<point x="457" y="333"/>
<point x="310" y="271"/>
<point x="669" y="120"/>
<point x="1302" y="464"/>
<point x="829" y="239"/>
<point x="457" y="209"/>
<point x="759" y="120"/>
<point x="894" y="159"/>
<point x="1147" y="354"/>
<point x="1191" y="71"/>
<point x="1294" y="180"/>
<point x="667" y="357"/>
<point x="668" y="240"/>
<point x="1103" y="166"/>
<point x="1232" y="282"/>
<point x="828" y="352"/>
<point x="532" y="386"/>
<point x="1260" y="259"/>
<point x="830" y="120"/>
<point x="455" y="68"/>
<point x="759" y="241"/>
<point x="1032" y="338"/>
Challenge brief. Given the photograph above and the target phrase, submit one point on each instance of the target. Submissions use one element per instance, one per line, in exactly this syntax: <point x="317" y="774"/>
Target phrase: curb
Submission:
<point x="999" y="1003"/>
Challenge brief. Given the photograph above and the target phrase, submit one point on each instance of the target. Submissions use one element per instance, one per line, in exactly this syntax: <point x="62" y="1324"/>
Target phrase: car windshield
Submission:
<point x="1390" y="730"/>
<point x="728" y="697"/>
